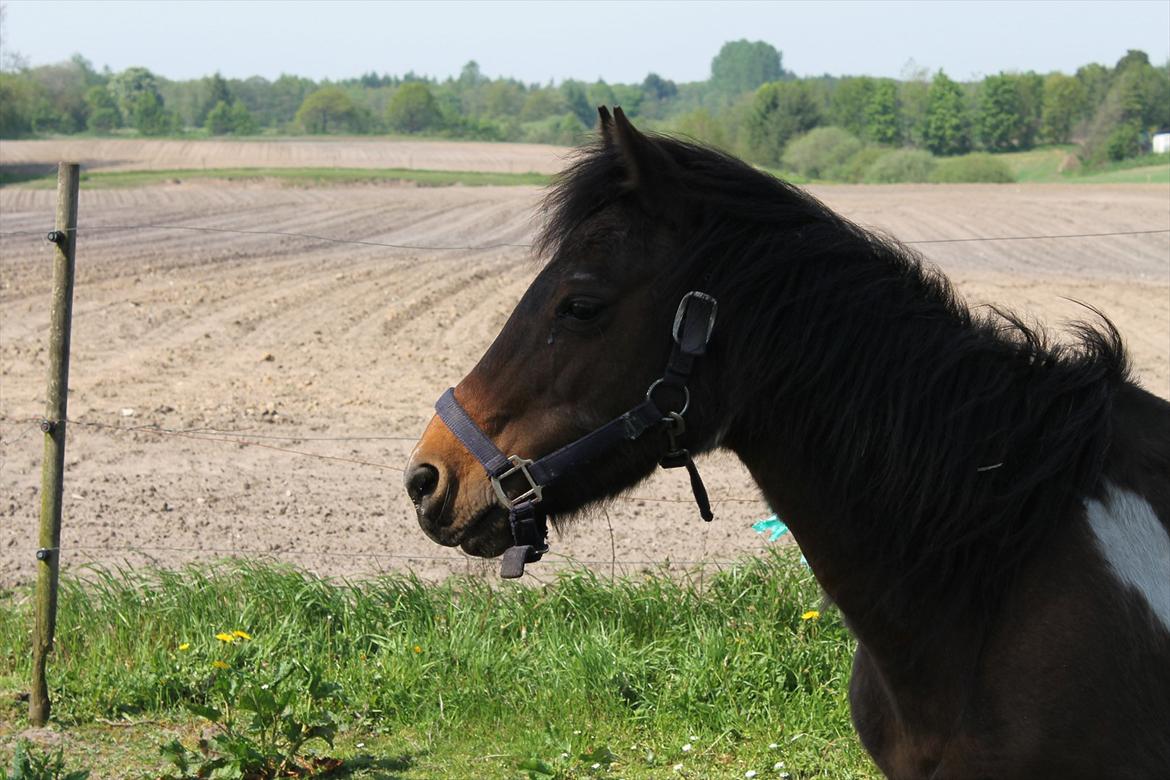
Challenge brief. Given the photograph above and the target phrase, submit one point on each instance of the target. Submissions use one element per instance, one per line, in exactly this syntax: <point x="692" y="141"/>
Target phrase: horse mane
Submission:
<point x="957" y="440"/>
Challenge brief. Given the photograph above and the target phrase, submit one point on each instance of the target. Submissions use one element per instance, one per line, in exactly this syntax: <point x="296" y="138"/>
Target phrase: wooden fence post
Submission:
<point x="64" y="236"/>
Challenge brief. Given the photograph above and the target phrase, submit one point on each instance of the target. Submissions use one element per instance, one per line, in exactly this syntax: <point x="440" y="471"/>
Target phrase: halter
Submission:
<point x="693" y="323"/>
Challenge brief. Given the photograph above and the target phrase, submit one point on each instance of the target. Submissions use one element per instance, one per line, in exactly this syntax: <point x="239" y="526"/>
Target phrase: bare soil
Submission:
<point x="339" y="350"/>
<point x="114" y="154"/>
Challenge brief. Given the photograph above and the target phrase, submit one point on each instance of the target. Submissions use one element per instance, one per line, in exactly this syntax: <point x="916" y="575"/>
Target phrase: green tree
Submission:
<point x="1132" y="58"/>
<point x="1030" y="94"/>
<point x="823" y="153"/>
<point x="741" y="66"/>
<point x="60" y="89"/>
<point x="657" y="88"/>
<point x="1094" y="79"/>
<point x="779" y="111"/>
<point x="219" y="119"/>
<point x="503" y="98"/>
<point x="285" y="98"/>
<point x="1138" y="101"/>
<point x="129" y="86"/>
<point x="541" y="103"/>
<point x="998" y="119"/>
<point x="654" y="97"/>
<point x="599" y="94"/>
<point x="630" y="97"/>
<point x="702" y="126"/>
<point x="946" y="127"/>
<point x="577" y="100"/>
<point x="471" y="76"/>
<point x="243" y="123"/>
<point x="329" y="109"/>
<point x="217" y="91"/>
<point x="1124" y="141"/>
<point x="1145" y="93"/>
<point x="1064" y="99"/>
<point x="235" y="119"/>
<point x="413" y="109"/>
<point x="18" y="99"/>
<point x="849" y="106"/>
<point x="150" y="117"/>
<point x="881" y="113"/>
<point x="103" y="110"/>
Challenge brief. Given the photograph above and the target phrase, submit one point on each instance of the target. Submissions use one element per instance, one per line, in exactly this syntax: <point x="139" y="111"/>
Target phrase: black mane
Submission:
<point x="960" y="439"/>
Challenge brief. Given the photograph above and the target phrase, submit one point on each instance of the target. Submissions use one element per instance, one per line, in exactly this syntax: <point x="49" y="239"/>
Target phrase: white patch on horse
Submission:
<point x="1135" y="544"/>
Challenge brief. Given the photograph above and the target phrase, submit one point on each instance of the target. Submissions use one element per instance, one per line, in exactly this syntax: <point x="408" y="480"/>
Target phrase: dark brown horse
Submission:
<point x="987" y="509"/>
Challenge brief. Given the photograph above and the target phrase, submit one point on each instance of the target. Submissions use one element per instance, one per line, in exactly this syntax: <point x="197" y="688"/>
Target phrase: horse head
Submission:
<point x="585" y="343"/>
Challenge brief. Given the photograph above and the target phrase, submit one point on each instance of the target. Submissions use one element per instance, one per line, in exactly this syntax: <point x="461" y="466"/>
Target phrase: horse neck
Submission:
<point x="844" y="459"/>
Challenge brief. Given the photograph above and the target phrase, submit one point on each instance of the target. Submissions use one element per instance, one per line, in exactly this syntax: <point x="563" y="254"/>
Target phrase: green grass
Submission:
<point x="462" y="679"/>
<point x="303" y="177"/>
<point x="1043" y="165"/>
<point x="1144" y="174"/>
<point x="1037" y="165"/>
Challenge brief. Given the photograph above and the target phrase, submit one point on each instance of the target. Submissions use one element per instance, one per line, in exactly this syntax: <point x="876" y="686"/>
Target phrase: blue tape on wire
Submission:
<point x="772" y="525"/>
<point x="775" y="528"/>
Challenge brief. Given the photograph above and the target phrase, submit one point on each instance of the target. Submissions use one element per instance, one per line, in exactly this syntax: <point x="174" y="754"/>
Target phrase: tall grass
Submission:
<point x="655" y="656"/>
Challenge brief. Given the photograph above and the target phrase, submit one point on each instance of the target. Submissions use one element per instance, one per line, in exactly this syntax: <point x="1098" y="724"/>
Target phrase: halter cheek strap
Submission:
<point x="519" y="483"/>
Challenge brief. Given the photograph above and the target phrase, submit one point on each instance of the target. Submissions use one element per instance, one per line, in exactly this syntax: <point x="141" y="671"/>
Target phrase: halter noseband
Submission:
<point x="693" y="323"/>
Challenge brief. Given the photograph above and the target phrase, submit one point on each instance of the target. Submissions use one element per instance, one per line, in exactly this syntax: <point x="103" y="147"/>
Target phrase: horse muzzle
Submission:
<point x="454" y="503"/>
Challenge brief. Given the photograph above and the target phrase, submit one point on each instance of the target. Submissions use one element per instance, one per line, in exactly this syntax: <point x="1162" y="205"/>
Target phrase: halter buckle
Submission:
<point x="519" y="466"/>
<point x="704" y="302"/>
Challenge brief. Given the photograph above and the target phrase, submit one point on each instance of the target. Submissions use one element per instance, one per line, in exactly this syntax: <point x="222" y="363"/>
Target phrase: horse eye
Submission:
<point x="582" y="309"/>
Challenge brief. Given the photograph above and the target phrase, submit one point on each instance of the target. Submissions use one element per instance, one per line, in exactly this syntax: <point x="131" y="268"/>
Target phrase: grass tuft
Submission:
<point x="436" y="675"/>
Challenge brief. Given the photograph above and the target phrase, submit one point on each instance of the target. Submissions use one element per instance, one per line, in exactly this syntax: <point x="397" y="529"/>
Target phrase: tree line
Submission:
<point x="749" y="105"/>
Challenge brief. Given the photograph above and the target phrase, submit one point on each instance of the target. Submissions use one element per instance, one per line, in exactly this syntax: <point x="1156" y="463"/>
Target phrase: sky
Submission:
<point x="619" y="42"/>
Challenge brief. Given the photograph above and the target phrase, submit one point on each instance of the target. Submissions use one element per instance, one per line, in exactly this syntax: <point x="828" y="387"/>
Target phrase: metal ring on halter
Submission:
<point x="686" y="395"/>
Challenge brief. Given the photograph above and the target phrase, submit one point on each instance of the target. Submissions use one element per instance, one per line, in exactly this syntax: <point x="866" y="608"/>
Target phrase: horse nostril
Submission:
<point x="422" y="482"/>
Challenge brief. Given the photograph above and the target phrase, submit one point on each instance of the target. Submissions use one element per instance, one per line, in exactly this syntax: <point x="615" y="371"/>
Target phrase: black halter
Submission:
<point x="693" y="324"/>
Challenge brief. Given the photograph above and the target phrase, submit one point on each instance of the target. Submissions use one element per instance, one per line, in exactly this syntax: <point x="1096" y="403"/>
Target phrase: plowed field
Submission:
<point x="339" y="350"/>
<point x="115" y="154"/>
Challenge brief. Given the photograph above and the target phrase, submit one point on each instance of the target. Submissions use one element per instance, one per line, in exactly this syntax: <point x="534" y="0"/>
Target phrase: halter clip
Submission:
<point x="519" y="466"/>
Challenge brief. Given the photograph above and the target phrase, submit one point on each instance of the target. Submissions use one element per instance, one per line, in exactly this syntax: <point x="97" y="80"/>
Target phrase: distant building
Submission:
<point x="1160" y="143"/>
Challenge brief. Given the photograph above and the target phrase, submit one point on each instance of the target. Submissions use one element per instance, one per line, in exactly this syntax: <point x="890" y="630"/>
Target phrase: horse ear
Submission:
<point x="647" y="167"/>
<point x="605" y="125"/>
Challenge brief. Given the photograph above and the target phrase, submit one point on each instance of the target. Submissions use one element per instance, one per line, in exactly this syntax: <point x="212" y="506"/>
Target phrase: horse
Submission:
<point x="987" y="507"/>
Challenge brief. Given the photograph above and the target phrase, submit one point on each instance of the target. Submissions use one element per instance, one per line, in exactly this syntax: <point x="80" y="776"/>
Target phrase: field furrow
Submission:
<point x="314" y="346"/>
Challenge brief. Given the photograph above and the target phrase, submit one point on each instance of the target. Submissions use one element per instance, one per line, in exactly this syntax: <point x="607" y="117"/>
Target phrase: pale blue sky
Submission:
<point x="619" y="42"/>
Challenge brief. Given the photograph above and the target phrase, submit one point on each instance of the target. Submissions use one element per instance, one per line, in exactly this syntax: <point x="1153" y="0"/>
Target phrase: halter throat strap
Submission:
<point x="519" y="483"/>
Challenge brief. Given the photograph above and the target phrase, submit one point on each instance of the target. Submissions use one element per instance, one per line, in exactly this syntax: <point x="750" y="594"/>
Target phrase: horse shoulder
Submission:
<point x="1075" y="677"/>
<point x="1130" y="514"/>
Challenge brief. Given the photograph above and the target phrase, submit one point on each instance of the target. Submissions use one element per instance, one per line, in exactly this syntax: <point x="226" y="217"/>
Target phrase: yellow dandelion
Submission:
<point x="417" y="649"/>
<point x="220" y="665"/>
<point x="184" y="647"/>
<point x="812" y="614"/>
<point x="223" y="636"/>
<point x="242" y="634"/>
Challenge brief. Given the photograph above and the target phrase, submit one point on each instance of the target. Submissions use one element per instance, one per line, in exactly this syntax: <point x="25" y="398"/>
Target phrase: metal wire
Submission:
<point x="504" y="245"/>
<point x="240" y="432"/>
<point x="1037" y="238"/>
<point x="553" y="558"/>
<point x="195" y="434"/>
<point x="279" y="233"/>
